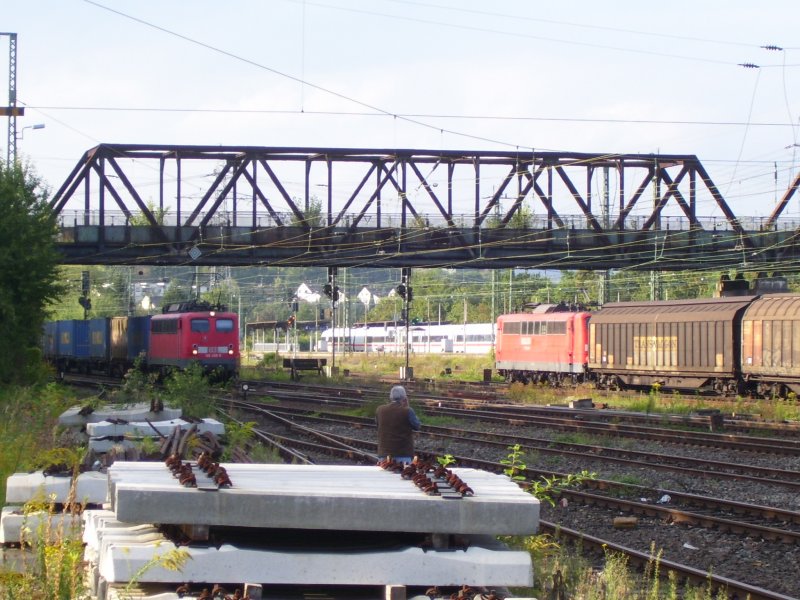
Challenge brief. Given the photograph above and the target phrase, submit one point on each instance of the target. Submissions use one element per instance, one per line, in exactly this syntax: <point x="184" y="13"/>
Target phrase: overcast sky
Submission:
<point x="587" y="76"/>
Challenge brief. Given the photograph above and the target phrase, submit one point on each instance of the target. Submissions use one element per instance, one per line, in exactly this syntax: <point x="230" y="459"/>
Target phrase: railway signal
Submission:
<point x="405" y="292"/>
<point x="84" y="299"/>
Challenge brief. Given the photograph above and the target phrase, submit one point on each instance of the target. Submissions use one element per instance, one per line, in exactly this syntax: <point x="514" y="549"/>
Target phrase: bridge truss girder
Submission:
<point x="489" y="209"/>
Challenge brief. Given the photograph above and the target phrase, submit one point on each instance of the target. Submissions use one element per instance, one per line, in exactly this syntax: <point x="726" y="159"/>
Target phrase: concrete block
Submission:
<point x="142" y="429"/>
<point x="129" y="412"/>
<point x="94" y="519"/>
<point x="253" y="591"/>
<point x="38" y="525"/>
<point x="409" y="566"/>
<point x="91" y="488"/>
<point x="347" y="498"/>
<point x="123" y="593"/>
<point x="395" y="592"/>
<point x="581" y="403"/>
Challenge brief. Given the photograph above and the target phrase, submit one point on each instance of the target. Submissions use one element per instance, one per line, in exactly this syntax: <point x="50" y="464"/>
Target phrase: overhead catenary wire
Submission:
<point x="394" y="116"/>
<point x="379" y="111"/>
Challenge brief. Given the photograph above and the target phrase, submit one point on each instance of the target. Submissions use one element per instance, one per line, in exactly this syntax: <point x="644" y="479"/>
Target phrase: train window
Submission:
<point x="513" y="328"/>
<point x="557" y="328"/>
<point x="164" y="326"/>
<point x="200" y="325"/>
<point x="225" y="325"/>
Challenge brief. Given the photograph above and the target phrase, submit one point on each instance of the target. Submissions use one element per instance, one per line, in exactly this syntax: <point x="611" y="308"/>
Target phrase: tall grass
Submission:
<point x="52" y="549"/>
<point x="566" y="572"/>
<point x="29" y="426"/>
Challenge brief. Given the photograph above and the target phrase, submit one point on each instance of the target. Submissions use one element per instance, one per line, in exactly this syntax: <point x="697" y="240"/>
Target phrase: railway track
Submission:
<point x="319" y="441"/>
<point x="769" y="525"/>
<point x="633" y="458"/>
<point x="497" y="406"/>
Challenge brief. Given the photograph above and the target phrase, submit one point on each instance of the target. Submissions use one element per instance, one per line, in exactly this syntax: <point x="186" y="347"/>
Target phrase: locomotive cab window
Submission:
<point x="225" y="325"/>
<point x="200" y="325"/>
<point x="164" y="326"/>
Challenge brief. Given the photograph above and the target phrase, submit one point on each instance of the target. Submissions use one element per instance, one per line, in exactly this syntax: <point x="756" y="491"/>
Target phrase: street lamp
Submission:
<point x="22" y="131"/>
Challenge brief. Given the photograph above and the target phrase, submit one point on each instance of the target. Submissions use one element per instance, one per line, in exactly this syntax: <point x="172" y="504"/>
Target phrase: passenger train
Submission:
<point x="748" y="344"/>
<point x="427" y="338"/>
<point x="186" y="332"/>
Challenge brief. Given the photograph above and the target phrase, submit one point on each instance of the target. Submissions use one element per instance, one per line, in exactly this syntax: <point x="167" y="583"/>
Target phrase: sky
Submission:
<point x="583" y="76"/>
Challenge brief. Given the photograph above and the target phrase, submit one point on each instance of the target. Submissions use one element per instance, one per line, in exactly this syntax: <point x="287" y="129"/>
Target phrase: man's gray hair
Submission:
<point x="398" y="394"/>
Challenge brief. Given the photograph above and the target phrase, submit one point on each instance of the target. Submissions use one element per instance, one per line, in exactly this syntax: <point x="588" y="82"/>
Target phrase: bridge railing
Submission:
<point x="77" y="218"/>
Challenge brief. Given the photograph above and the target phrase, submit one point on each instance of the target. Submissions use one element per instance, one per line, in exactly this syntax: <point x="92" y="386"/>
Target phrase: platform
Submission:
<point x="347" y="498"/>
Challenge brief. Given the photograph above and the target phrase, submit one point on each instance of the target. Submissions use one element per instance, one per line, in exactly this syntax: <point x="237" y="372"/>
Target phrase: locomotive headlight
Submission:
<point x="230" y="349"/>
<point x="194" y="349"/>
<point x="213" y="313"/>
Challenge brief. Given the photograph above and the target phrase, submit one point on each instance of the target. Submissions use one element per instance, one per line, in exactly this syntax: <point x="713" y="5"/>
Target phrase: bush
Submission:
<point x="191" y="391"/>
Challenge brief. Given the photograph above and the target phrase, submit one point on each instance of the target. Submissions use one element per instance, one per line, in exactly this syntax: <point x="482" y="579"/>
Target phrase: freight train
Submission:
<point x="184" y="333"/>
<point x="728" y="345"/>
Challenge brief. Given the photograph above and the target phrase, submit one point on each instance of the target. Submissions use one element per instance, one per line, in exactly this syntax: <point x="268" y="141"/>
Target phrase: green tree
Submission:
<point x="28" y="269"/>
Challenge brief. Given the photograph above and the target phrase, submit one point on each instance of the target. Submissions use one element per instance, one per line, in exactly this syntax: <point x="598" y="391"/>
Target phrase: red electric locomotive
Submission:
<point x="189" y="332"/>
<point x="549" y="344"/>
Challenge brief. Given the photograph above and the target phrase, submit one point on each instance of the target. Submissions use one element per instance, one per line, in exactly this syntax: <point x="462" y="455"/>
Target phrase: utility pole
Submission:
<point x="12" y="111"/>
<point x="605" y="288"/>
<point x="494" y="317"/>
<point x="655" y="275"/>
<point x="406" y="293"/>
<point x="332" y="291"/>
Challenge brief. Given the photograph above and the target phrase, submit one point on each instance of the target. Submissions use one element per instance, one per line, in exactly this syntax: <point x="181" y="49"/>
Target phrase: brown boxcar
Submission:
<point x="683" y="344"/>
<point x="771" y="345"/>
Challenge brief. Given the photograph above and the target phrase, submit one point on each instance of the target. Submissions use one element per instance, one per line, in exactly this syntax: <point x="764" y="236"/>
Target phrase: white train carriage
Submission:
<point x="470" y="338"/>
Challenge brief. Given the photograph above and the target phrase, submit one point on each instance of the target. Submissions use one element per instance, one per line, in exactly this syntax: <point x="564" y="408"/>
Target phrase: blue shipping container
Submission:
<point x="66" y="338"/>
<point x="81" y="347"/>
<point x="138" y="336"/>
<point x="50" y="340"/>
<point x="99" y="339"/>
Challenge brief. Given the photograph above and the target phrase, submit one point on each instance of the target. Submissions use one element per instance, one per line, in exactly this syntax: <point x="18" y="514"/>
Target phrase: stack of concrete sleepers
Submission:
<point x="308" y="525"/>
<point x="104" y="435"/>
<point x="90" y="490"/>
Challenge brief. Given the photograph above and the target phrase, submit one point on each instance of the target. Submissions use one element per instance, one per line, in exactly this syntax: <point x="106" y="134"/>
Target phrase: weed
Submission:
<point x="138" y="385"/>
<point x="513" y="463"/>
<point x="28" y="416"/>
<point x="271" y="360"/>
<point x="261" y="453"/>
<point x="576" y="437"/>
<point x="367" y="409"/>
<point x="627" y="479"/>
<point x="445" y="460"/>
<point x="173" y="560"/>
<point x="147" y="447"/>
<point x="547" y="487"/>
<point x="52" y="549"/>
<point x="439" y="421"/>
<point x="239" y="436"/>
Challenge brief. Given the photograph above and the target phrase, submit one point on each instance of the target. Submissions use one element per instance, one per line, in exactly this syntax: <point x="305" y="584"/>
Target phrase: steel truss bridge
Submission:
<point x="224" y="205"/>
